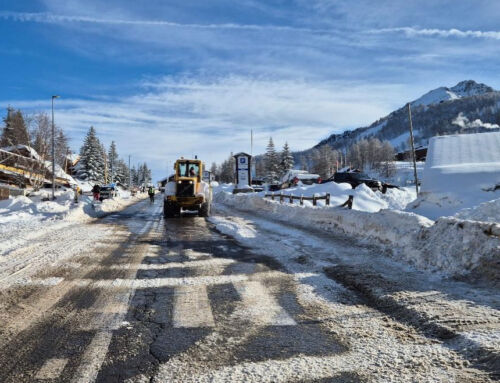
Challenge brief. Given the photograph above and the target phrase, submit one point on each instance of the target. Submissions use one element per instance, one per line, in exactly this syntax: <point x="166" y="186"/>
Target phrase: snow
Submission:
<point x="435" y="97"/>
<point x="29" y="149"/>
<point x="59" y="172"/>
<point x="373" y="130"/>
<point x="458" y="171"/>
<point x="300" y="174"/>
<point x="403" y="175"/>
<point x="401" y="140"/>
<point x="485" y="212"/>
<point x="22" y="216"/>
<point x="450" y="245"/>
<point x="437" y="300"/>
<point x="462" y="89"/>
<point x="364" y="198"/>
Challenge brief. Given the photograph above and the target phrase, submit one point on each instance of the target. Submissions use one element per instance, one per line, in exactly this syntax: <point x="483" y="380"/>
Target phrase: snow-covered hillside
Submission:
<point x="434" y="113"/>
<point x="435" y="96"/>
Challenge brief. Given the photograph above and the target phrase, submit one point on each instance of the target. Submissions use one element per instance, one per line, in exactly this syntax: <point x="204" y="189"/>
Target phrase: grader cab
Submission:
<point x="186" y="190"/>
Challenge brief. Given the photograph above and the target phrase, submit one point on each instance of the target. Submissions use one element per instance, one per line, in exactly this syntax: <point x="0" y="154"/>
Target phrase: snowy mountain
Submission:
<point x="463" y="89"/>
<point x="464" y="108"/>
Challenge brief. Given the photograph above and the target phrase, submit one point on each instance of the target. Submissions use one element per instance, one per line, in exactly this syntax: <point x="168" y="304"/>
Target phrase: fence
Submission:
<point x="9" y="191"/>
<point x="290" y="197"/>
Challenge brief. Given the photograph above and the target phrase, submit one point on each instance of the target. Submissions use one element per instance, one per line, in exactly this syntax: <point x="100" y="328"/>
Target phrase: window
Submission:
<point x="189" y="169"/>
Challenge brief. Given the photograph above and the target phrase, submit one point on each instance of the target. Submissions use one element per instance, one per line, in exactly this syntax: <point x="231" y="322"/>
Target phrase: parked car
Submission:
<point x="274" y="187"/>
<point x="257" y="184"/>
<point x="107" y="192"/>
<point x="355" y="179"/>
<point x="293" y="176"/>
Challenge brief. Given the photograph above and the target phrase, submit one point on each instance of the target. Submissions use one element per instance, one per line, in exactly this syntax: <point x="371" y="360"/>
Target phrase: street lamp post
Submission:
<point x="53" y="153"/>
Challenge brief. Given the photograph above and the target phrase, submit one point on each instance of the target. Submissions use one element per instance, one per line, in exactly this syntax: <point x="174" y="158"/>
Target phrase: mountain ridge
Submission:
<point x="435" y="113"/>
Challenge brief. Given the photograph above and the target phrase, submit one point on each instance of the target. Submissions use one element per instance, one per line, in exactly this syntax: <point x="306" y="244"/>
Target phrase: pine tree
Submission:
<point x="271" y="159"/>
<point x="143" y="175"/>
<point x="287" y="161"/>
<point x="61" y="148"/>
<point x="112" y="161"/>
<point x="214" y="171"/>
<point x="92" y="163"/>
<point x="122" y="172"/>
<point x="147" y="175"/>
<point x="303" y="163"/>
<point x="15" y="131"/>
<point x="104" y="155"/>
<point x="134" y="175"/>
<point x="227" y="169"/>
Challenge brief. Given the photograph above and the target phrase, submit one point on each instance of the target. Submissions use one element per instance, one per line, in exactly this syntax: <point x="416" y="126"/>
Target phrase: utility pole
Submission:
<point x="251" y="142"/>
<point x="53" y="153"/>
<point x="129" y="174"/>
<point x="413" y="155"/>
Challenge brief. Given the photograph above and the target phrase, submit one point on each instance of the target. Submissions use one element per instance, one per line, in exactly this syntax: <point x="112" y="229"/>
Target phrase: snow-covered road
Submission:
<point x="135" y="298"/>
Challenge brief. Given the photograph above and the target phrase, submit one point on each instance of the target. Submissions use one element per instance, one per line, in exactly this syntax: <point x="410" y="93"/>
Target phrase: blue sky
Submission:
<point x="171" y="78"/>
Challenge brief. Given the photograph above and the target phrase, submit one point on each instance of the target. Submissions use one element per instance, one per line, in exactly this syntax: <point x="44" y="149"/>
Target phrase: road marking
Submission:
<point x="195" y="255"/>
<point x="191" y="281"/>
<point x="51" y="369"/>
<point x="171" y="265"/>
<point x="95" y="353"/>
<point x="93" y="358"/>
<point x="260" y="306"/>
<point x="192" y="307"/>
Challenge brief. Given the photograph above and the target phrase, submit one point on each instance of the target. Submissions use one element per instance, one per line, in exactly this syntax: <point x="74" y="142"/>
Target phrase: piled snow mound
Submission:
<point x="15" y="204"/>
<point x="450" y="245"/>
<point x="485" y="212"/>
<point x="19" y="215"/>
<point x="365" y="199"/>
<point x="459" y="171"/>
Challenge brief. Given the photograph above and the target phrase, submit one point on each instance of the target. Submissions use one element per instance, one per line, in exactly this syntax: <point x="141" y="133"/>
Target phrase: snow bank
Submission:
<point x="21" y="215"/>
<point x="451" y="245"/>
<point x="365" y="199"/>
<point x="485" y="212"/>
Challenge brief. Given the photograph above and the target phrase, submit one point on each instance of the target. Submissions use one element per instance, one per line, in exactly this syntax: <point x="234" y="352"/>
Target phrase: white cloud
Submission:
<point x="50" y="18"/>
<point x="211" y="117"/>
<point x="411" y="32"/>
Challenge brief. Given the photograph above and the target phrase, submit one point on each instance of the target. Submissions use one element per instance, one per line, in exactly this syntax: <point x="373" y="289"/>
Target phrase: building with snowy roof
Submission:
<point x="461" y="171"/>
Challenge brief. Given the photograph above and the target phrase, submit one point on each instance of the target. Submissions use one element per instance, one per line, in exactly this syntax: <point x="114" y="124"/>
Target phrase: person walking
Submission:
<point x="151" y="193"/>
<point x="97" y="192"/>
<point x="77" y="191"/>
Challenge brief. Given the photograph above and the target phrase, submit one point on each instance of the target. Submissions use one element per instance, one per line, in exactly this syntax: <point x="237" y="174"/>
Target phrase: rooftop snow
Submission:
<point x="458" y="171"/>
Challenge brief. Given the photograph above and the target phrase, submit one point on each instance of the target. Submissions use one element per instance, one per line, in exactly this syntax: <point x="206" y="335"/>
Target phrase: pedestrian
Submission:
<point x="97" y="192"/>
<point x="151" y="193"/>
<point x="77" y="192"/>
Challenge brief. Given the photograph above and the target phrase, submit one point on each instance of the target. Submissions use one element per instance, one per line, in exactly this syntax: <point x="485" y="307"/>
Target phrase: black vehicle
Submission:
<point x="355" y="179"/>
<point x="274" y="187"/>
<point x="257" y="184"/>
<point x="107" y="192"/>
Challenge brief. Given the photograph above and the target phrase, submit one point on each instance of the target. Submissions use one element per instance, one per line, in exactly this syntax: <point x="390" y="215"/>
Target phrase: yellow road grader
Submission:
<point x="187" y="190"/>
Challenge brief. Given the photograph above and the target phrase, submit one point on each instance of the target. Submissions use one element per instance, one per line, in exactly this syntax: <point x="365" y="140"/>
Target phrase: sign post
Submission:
<point x="243" y="172"/>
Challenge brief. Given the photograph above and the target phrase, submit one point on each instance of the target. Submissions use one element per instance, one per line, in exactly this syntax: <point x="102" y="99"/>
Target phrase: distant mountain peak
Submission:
<point x="469" y="88"/>
<point x="465" y="88"/>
